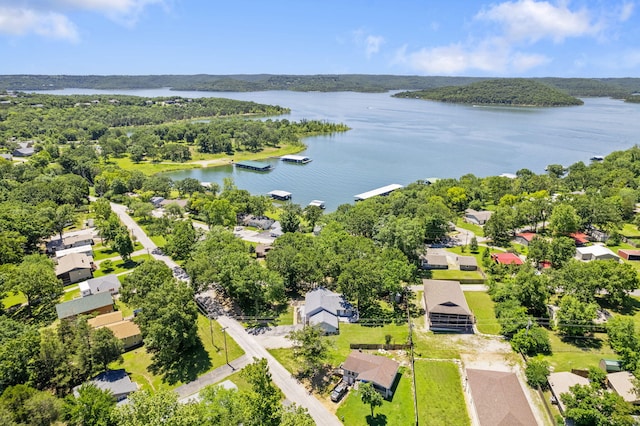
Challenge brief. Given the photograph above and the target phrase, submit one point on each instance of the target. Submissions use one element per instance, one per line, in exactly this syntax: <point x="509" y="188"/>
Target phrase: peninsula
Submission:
<point x="505" y="91"/>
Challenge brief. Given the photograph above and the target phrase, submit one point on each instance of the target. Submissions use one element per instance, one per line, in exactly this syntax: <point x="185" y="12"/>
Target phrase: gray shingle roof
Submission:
<point x="323" y="299"/>
<point x="324" y="317"/>
<point x="115" y="381"/>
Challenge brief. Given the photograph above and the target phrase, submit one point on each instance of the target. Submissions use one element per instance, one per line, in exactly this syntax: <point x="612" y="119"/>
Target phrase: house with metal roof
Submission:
<point x="506" y="259"/>
<point x="380" y="371"/>
<point x="100" y="303"/>
<point x="498" y="398"/>
<point x="447" y="308"/>
<point x="595" y="252"/>
<point x="467" y="263"/>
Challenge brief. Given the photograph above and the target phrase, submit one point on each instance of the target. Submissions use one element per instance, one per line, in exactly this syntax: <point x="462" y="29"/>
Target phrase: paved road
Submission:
<point x="292" y="390"/>
<point x="212" y="377"/>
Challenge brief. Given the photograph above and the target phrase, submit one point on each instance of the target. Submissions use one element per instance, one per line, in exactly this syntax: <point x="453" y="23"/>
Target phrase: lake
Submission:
<point x="402" y="140"/>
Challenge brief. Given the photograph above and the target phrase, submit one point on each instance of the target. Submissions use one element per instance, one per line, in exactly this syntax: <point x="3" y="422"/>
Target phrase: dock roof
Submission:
<point x="253" y="165"/>
<point x="279" y="193"/>
<point x="378" y="191"/>
<point x="295" y="158"/>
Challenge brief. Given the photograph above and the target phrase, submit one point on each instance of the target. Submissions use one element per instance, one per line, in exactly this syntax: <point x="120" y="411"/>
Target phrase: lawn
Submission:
<point x="439" y="396"/>
<point x="137" y="361"/>
<point x="122" y="266"/>
<point x="470" y="227"/>
<point x="630" y="231"/>
<point x="149" y="168"/>
<point x="70" y="295"/>
<point x="483" y="308"/>
<point x="13" y="299"/>
<point x="583" y="354"/>
<point x="455" y="274"/>
<point x="286" y="316"/>
<point x="105" y="252"/>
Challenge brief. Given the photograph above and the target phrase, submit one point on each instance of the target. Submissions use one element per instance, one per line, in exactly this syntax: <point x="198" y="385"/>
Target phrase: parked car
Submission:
<point x="338" y="392"/>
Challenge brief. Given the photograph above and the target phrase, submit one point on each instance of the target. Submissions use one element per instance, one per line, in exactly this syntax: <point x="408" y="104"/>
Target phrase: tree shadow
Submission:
<point x="377" y="420"/>
<point x="630" y="306"/>
<point x="185" y="369"/>
<point x="585" y="343"/>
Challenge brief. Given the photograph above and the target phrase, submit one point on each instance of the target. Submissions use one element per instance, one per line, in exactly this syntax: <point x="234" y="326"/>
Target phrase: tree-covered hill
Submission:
<point x="582" y="87"/>
<point x="506" y="91"/>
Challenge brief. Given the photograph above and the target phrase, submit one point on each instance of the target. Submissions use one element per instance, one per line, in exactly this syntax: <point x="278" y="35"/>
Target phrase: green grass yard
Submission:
<point x="582" y="355"/>
<point x="455" y="274"/>
<point x="122" y="266"/>
<point x="101" y="252"/>
<point x="460" y="223"/>
<point x="483" y="309"/>
<point x="439" y="397"/>
<point x="13" y="299"/>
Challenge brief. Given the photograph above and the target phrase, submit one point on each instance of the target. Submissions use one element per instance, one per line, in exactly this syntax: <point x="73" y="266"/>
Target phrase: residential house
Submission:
<point x="106" y="283"/>
<point x="325" y="309"/>
<point x="74" y="268"/>
<point x="506" y="259"/>
<point x="24" y="149"/>
<point x="632" y="255"/>
<point x="380" y="371"/>
<point x="498" y="399"/>
<point x="70" y="241"/>
<point x="595" y="252"/>
<point x="86" y="250"/>
<point x="477" y="217"/>
<point x="467" y="263"/>
<point x="560" y="383"/>
<point x="156" y="201"/>
<point x="126" y="330"/>
<point x="115" y="381"/>
<point x="433" y="261"/>
<point x="100" y="303"/>
<point x="447" y="308"/>
<point x="622" y="383"/>
<point x="524" y="238"/>
<point x="262" y="250"/>
<point x="7" y="157"/>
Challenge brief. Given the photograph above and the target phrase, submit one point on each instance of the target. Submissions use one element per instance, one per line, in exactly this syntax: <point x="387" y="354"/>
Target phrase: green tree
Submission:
<point x="531" y="341"/>
<point x="290" y="218"/>
<point x="12" y="246"/>
<point x="35" y="278"/>
<point x="590" y="405"/>
<point x="264" y="398"/>
<point x="561" y="250"/>
<point x="624" y="340"/>
<point x="123" y="245"/>
<point x="500" y="225"/>
<point x="105" y="347"/>
<point x="310" y="347"/>
<point x="92" y="407"/>
<point x="370" y="395"/>
<point x="219" y="212"/>
<point x="312" y="214"/>
<point x="147" y="409"/>
<point x="564" y="220"/>
<point x="182" y="240"/>
<point x="62" y="217"/>
<point x="473" y="245"/>
<point x="43" y="409"/>
<point x="145" y="278"/>
<point x="19" y="343"/>
<point x="575" y="318"/>
<point x="537" y="372"/>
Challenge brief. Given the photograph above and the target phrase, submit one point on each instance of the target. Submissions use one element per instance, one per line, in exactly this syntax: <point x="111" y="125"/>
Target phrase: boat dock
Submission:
<point x="254" y="165"/>
<point x="385" y="190"/>
<point x="317" y="203"/>
<point x="298" y="159"/>
<point x="280" y="195"/>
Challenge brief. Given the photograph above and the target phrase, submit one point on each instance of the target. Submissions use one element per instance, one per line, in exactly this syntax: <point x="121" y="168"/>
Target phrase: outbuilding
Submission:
<point x="595" y="252"/>
<point x="632" y="255"/>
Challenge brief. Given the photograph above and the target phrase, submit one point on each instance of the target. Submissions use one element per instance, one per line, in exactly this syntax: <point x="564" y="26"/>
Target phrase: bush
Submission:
<point x="537" y="372"/>
<point x="531" y="342"/>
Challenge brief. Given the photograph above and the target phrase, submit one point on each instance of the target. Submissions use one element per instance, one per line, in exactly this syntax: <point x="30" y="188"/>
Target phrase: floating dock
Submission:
<point x="385" y="190"/>
<point x="254" y="165"/>
<point x="280" y="195"/>
<point x="298" y="159"/>
<point x="317" y="203"/>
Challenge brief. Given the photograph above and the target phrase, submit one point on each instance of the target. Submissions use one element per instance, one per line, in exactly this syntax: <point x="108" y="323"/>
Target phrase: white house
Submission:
<point x="107" y="283"/>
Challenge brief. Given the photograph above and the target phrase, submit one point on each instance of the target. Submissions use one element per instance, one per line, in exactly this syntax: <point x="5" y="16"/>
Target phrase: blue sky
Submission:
<point x="564" y="38"/>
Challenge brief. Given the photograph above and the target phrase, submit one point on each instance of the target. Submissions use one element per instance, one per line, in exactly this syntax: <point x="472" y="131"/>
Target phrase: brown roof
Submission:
<point x="561" y="382"/>
<point x="499" y="399"/>
<point x="622" y="383"/>
<point x="629" y="252"/>
<point x="124" y="329"/>
<point x="372" y="368"/>
<point x="105" y="319"/>
<point x="445" y="297"/>
<point x="73" y="261"/>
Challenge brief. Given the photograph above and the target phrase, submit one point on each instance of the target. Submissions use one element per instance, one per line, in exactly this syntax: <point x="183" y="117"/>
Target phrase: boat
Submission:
<point x="597" y="158"/>
<point x="298" y="159"/>
<point x="317" y="203"/>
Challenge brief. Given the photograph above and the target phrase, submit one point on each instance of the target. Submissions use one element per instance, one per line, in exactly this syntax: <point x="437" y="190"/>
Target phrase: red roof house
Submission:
<point x="580" y="238"/>
<point x="506" y="259"/>
<point x="525" y="238"/>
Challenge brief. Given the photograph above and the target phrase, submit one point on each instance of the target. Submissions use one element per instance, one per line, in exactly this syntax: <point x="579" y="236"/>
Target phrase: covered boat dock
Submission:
<point x="298" y="159"/>
<point x="254" y="165"/>
<point x="385" y="190"/>
<point x="317" y="203"/>
<point x="280" y="195"/>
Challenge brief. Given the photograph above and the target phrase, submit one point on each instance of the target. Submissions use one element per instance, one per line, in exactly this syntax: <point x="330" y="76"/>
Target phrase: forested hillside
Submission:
<point x="583" y="87"/>
<point x="508" y="91"/>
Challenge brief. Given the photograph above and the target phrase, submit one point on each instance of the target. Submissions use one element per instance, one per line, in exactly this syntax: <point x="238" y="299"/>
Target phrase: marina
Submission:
<point x="297" y="159"/>
<point x="384" y="190"/>
<point x="254" y="165"/>
<point x="280" y="195"/>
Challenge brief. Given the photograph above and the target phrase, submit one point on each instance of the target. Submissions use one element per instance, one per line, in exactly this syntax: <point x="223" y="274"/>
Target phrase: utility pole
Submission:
<point x="413" y="369"/>
<point x="226" y="355"/>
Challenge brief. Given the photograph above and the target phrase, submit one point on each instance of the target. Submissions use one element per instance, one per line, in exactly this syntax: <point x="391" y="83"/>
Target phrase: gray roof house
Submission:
<point x="115" y="381"/>
<point x="467" y="263"/>
<point x="101" y="303"/>
<point x="433" y="261"/>
<point x="478" y="217"/>
<point x="447" y="308"/>
<point x="106" y="283"/>
<point x="24" y="149"/>
<point x="324" y="308"/>
<point x="378" y="370"/>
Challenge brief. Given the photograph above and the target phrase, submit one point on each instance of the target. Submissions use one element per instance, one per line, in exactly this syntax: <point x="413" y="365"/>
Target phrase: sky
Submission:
<point x="516" y="38"/>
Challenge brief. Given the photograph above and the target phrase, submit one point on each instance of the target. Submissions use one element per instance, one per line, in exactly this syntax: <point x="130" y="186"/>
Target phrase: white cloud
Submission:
<point x="529" y="20"/>
<point x="626" y="11"/>
<point x="371" y="43"/>
<point x="51" y="18"/>
<point x="23" y="21"/>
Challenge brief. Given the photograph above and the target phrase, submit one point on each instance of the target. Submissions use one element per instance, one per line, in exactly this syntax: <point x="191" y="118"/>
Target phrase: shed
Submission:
<point x="524" y="238"/>
<point x="610" y="365"/>
<point x="595" y="252"/>
<point x="467" y="263"/>
<point x="447" y="308"/>
<point x="632" y="255"/>
<point x="622" y="383"/>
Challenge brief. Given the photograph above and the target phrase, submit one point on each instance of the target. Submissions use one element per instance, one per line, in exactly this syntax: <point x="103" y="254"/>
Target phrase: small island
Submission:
<point x="505" y="91"/>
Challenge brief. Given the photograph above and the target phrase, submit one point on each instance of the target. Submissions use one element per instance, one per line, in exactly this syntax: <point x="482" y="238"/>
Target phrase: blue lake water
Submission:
<point x="402" y="140"/>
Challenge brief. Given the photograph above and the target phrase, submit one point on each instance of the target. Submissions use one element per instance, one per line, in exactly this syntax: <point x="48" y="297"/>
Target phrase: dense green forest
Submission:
<point x="507" y="91"/>
<point x="612" y="87"/>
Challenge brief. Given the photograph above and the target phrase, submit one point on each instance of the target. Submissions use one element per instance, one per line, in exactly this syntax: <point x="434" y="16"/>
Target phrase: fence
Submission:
<point x="371" y="346"/>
